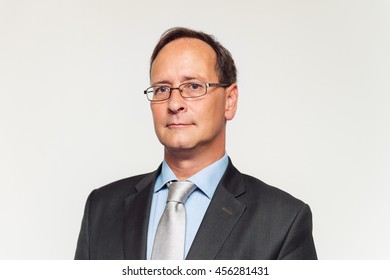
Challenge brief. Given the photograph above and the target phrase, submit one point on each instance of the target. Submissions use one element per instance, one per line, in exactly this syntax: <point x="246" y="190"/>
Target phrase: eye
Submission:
<point x="194" y="86"/>
<point x="161" y="90"/>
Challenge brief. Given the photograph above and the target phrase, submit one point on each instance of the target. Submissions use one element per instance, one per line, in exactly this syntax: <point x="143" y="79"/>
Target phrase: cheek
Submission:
<point x="212" y="116"/>
<point x="158" y="121"/>
<point x="157" y="115"/>
<point x="216" y="112"/>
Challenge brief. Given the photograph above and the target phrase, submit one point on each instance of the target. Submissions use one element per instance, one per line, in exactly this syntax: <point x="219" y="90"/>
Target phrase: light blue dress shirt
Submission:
<point x="206" y="180"/>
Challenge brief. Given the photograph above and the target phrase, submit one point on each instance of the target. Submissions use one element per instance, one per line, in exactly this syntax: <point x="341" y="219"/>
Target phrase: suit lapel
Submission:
<point x="223" y="213"/>
<point x="137" y="209"/>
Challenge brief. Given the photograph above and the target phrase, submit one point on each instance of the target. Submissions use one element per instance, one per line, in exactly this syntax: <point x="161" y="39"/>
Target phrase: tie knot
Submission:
<point x="180" y="191"/>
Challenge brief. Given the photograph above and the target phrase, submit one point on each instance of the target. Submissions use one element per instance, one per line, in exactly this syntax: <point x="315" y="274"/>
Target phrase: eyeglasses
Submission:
<point x="187" y="90"/>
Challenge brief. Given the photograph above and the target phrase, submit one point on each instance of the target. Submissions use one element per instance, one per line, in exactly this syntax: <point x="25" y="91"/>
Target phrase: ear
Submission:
<point x="231" y="101"/>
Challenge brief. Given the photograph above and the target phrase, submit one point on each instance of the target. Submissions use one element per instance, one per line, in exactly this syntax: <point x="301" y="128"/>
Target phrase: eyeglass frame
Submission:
<point x="208" y="85"/>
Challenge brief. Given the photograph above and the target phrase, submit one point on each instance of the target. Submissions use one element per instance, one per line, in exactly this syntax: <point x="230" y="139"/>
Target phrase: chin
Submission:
<point x="174" y="142"/>
<point x="182" y="147"/>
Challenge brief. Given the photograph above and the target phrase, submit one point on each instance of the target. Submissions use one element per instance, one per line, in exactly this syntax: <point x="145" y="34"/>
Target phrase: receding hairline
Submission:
<point x="224" y="64"/>
<point x="188" y="39"/>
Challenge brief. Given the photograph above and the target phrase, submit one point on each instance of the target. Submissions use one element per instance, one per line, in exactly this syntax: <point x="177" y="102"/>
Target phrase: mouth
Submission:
<point x="178" y="125"/>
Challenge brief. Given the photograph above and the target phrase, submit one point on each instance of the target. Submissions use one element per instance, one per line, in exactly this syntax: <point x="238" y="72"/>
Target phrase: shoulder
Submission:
<point x="122" y="188"/>
<point x="268" y="203"/>
<point x="251" y="190"/>
<point x="259" y="196"/>
<point x="122" y="184"/>
<point x="259" y="190"/>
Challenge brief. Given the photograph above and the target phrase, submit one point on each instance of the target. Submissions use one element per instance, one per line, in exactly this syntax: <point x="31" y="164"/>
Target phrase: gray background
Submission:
<point x="313" y="115"/>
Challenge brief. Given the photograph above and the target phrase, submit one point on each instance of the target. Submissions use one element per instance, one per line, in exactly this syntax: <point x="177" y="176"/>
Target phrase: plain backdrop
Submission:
<point x="313" y="117"/>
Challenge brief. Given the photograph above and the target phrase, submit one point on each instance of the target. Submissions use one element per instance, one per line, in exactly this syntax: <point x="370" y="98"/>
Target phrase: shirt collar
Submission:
<point x="206" y="179"/>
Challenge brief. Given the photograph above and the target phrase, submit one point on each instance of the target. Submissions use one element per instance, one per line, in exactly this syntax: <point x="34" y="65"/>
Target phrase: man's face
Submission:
<point x="190" y="124"/>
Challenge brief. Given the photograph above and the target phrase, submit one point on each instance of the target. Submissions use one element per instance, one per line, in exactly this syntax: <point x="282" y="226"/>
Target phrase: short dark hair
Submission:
<point x="225" y="66"/>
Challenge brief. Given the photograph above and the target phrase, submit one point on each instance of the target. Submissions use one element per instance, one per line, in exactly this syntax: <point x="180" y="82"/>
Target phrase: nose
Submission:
<point x="176" y="103"/>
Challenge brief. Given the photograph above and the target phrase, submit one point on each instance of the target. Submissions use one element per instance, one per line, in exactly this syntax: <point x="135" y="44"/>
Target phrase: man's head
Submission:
<point x="225" y="66"/>
<point x="192" y="126"/>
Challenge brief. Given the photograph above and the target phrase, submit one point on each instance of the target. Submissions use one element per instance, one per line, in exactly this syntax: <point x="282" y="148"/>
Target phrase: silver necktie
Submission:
<point x="170" y="234"/>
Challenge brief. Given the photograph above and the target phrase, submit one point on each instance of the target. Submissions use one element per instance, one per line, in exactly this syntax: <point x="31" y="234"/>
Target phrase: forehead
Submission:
<point x="190" y="44"/>
<point x="185" y="55"/>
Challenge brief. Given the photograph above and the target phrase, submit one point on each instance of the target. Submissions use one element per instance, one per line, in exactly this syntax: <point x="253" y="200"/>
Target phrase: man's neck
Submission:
<point x="187" y="163"/>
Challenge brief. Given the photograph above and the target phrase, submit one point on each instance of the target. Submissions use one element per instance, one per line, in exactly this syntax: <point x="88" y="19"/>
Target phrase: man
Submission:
<point x="228" y="215"/>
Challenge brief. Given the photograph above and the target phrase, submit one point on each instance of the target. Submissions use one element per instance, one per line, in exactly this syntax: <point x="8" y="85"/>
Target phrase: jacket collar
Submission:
<point x="136" y="218"/>
<point x="224" y="212"/>
<point x="222" y="215"/>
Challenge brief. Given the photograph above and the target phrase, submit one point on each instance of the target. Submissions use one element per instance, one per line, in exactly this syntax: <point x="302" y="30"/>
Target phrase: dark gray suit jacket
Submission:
<point x="246" y="219"/>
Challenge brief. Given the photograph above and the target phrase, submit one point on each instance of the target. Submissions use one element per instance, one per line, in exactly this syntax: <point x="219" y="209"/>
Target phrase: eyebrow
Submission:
<point x="185" y="79"/>
<point x="161" y="82"/>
